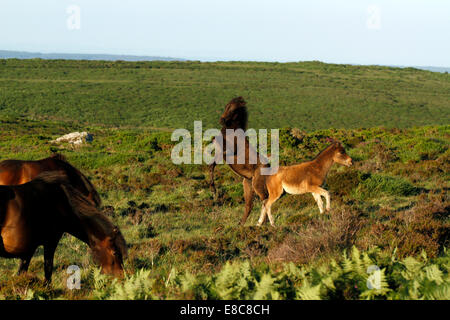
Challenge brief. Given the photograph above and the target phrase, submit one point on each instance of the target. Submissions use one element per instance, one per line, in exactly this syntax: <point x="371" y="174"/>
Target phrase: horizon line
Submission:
<point x="212" y="59"/>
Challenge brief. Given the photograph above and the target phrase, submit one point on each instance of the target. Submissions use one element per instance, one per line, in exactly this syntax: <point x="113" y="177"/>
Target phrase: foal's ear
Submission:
<point x="6" y="193"/>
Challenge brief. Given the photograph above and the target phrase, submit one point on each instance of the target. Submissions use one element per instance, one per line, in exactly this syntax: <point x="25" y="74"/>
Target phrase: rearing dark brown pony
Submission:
<point x="14" y="172"/>
<point x="41" y="211"/>
<point x="235" y="117"/>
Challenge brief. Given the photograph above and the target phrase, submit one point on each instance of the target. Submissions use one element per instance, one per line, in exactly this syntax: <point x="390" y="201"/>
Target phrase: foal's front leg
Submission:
<point x="324" y="193"/>
<point x="317" y="193"/>
<point x="318" y="201"/>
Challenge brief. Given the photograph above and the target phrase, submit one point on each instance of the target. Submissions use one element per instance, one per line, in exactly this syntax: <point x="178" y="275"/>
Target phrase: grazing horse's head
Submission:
<point x="235" y="115"/>
<point x="340" y="156"/>
<point x="110" y="252"/>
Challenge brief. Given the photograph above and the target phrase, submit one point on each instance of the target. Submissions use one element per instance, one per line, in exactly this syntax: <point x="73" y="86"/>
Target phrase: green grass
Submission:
<point x="306" y="95"/>
<point x="392" y="205"/>
<point x="171" y="222"/>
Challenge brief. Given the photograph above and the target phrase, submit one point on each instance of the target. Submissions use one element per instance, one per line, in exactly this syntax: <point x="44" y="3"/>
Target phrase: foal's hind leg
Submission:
<point x="275" y="192"/>
<point x="262" y="217"/>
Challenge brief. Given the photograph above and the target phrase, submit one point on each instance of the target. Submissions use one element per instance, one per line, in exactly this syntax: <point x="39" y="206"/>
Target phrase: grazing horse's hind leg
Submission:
<point x="24" y="264"/>
<point x="249" y="194"/>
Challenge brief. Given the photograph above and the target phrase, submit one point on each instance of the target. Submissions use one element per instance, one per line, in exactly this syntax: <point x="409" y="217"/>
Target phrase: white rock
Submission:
<point x="75" y="138"/>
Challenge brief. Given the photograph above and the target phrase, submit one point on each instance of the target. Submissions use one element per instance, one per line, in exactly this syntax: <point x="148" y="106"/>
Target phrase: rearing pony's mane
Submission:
<point x="88" y="214"/>
<point x="237" y="118"/>
<point x="72" y="170"/>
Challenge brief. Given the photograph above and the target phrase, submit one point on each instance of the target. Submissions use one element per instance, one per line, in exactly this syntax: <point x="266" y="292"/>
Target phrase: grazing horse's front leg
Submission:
<point x="49" y="253"/>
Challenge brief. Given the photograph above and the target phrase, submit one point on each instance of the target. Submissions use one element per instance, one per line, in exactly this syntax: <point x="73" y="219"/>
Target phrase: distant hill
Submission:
<point x="5" y="54"/>
<point x="174" y="94"/>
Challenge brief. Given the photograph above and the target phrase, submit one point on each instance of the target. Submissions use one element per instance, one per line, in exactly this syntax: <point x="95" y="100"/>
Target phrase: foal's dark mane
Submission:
<point x="72" y="171"/>
<point x="327" y="148"/>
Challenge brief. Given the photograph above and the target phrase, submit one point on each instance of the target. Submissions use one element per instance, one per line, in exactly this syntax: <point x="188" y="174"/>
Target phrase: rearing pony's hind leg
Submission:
<point x="249" y="194"/>
<point x="212" y="186"/>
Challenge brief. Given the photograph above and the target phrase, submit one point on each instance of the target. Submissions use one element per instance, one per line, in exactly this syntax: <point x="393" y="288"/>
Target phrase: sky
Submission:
<point x="384" y="32"/>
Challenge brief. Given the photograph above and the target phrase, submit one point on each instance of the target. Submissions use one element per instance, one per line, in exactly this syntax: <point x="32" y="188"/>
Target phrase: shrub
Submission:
<point x="376" y="185"/>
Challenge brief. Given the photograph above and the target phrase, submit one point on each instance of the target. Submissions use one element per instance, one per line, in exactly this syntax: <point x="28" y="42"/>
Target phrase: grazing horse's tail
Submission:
<point x="72" y="171"/>
<point x="96" y="223"/>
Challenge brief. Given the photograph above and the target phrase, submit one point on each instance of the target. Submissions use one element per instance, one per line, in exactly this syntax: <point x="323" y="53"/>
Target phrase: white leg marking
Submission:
<point x="269" y="213"/>
<point x="262" y="217"/>
<point x="319" y="201"/>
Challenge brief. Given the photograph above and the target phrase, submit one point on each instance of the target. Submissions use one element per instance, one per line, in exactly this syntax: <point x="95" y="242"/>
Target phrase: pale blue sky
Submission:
<point x="409" y="32"/>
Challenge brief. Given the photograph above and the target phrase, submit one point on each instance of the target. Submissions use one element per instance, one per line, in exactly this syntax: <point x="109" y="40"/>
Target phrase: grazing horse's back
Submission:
<point x="16" y="172"/>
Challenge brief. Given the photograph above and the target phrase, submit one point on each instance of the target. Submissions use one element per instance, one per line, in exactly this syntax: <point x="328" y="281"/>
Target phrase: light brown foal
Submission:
<point x="303" y="178"/>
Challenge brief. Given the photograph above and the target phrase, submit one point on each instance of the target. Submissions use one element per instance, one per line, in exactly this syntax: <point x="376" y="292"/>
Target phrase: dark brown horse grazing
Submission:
<point x="235" y="117"/>
<point x="41" y="211"/>
<point x="303" y="178"/>
<point x="14" y="172"/>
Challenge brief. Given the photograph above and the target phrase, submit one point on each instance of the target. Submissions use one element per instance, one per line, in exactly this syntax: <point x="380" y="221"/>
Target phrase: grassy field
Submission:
<point x="308" y="95"/>
<point x="391" y="209"/>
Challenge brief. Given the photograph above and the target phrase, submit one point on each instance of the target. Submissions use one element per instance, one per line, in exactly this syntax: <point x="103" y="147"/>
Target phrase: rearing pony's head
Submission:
<point x="235" y="115"/>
